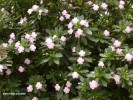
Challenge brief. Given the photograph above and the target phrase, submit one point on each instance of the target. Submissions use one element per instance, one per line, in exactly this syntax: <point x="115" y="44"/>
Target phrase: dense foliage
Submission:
<point x="66" y="50"/>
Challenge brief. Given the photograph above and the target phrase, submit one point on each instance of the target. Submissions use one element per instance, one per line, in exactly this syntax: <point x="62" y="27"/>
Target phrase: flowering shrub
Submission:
<point x="66" y="50"/>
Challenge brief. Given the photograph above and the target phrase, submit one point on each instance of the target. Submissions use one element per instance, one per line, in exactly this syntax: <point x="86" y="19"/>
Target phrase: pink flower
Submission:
<point x="30" y="88"/>
<point x="2" y="9"/>
<point x="35" y="7"/>
<point x="50" y="45"/>
<point x="17" y="45"/>
<point x="8" y="71"/>
<point x="128" y="57"/>
<point x="95" y="7"/>
<point x="21" y="69"/>
<point x="82" y="53"/>
<point x="74" y="49"/>
<point x="57" y="87"/>
<point x="70" y="31"/>
<point x="128" y="29"/>
<point x="117" y="79"/>
<point x="31" y="39"/>
<point x="80" y="60"/>
<point x="12" y="36"/>
<point x="93" y="84"/>
<point x="75" y="75"/>
<point x="118" y="51"/>
<point x="64" y="12"/>
<point x="10" y="41"/>
<point x="32" y="47"/>
<point x="46" y="11"/>
<point x="27" y="36"/>
<point x="63" y="39"/>
<point x="117" y="43"/>
<point x="61" y="18"/>
<point x="1" y="68"/>
<point x="5" y="45"/>
<point x="67" y="16"/>
<point x="33" y="35"/>
<point x="89" y="3"/>
<point x="66" y="90"/>
<point x="48" y="40"/>
<point x="27" y="61"/>
<point x="39" y="85"/>
<point x="121" y="6"/>
<point x="68" y="84"/>
<point x="104" y="6"/>
<point x="84" y="23"/>
<point x="106" y="33"/>
<point x="35" y="98"/>
<point x="101" y="64"/>
<point x="20" y="49"/>
<point x="30" y="11"/>
<point x="70" y="25"/>
<point x="75" y="20"/>
<point x="122" y="2"/>
<point x="78" y="33"/>
<point x="41" y="1"/>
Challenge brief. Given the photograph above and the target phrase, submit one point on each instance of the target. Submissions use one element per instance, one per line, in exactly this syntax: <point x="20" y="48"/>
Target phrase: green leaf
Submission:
<point x="58" y="55"/>
<point x="56" y="61"/>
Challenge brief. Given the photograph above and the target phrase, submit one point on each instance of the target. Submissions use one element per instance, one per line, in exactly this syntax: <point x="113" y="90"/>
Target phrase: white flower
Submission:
<point x="32" y="47"/>
<point x="57" y="87"/>
<point x="128" y="57"/>
<point x="61" y="18"/>
<point x="70" y="25"/>
<point x="35" y="98"/>
<point x="118" y="51"/>
<point x="20" y="49"/>
<point x="117" y="43"/>
<point x="33" y="35"/>
<point x="70" y="31"/>
<point x="104" y="6"/>
<point x="35" y="7"/>
<point x="66" y="90"/>
<point x="38" y="85"/>
<point x="75" y="20"/>
<point x="122" y="2"/>
<point x="30" y="11"/>
<point x="12" y="36"/>
<point x="27" y="36"/>
<point x="74" y="49"/>
<point x="63" y="39"/>
<point x="64" y="12"/>
<point x="82" y="53"/>
<point x="75" y="75"/>
<point x="95" y="7"/>
<point x="93" y="84"/>
<point x="5" y="45"/>
<point x="30" y="88"/>
<point x="106" y="33"/>
<point x="17" y="44"/>
<point x="1" y="68"/>
<point x="80" y="60"/>
<point x="100" y="64"/>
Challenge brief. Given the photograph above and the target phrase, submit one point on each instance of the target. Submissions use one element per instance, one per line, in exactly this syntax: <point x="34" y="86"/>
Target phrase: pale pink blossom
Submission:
<point x="27" y="36"/>
<point x="117" y="43"/>
<point x="63" y="38"/>
<point x="117" y="79"/>
<point x="30" y="88"/>
<point x="75" y="75"/>
<point x="48" y="40"/>
<point x="50" y="45"/>
<point x="104" y="6"/>
<point x="82" y="53"/>
<point x="84" y="23"/>
<point x="31" y="39"/>
<point x="106" y="33"/>
<point x="8" y="71"/>
<point x="80" y="61"/>
<point x="57" y="87"/>
<point x="122" y="2"/>
<point x="39" y="85"/>
<point x="70" y="31"/>
<point x="17" y="44"/>
<point x="118" y="51"/>
<point x="35" y="98"/>
<point x="78" y="33"/>
<point x="121" y="6"/>
<point x="68" y="84"/>
<point x="61" y="18"/>
<point x="89" y="3"/>
<point x="66" y="90"/>
<point x="64" y="12"/>
<point x="12" y="36"/>
<point x="20" y="49"/>
<point x="35" y="7"/>
<point x="21" y="69"/>
<point x="41" y="1"/>
<point x="95" y="7"/>
<point x="46" y="11"/>
<point x="5" y="45"/>
<point x="75" y="20"/>
<point x="128" y="57"/>
<point x="101" y="64"/>
<point x="93" y="84"/>
<point x="74" y="49"/>
<point x="1" y="68"/>
<point x="70" y="25"/>
<point x="2" y="9"/>
<point x="10" y="41"/>
<point x="128" y="29"/>
<point x="32" y="47"/>
<point x="33" y="35"/>
<point x="67" y="16"/>
<point x="27" y="61"/>
<point x="30" y="11"/>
